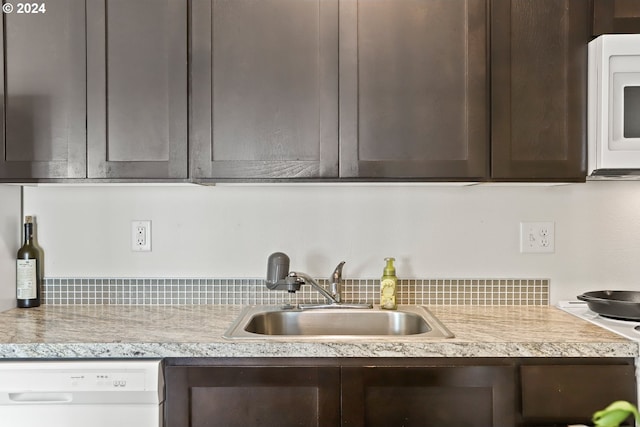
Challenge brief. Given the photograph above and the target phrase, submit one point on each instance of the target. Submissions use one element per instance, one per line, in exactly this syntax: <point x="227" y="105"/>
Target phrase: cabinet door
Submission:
<point x="413" y="89"/>
<point x="234" y="396"/>
<point x="570" y="394"/>
<point x="265" y="89"/>
<point x="137" y="88"/>
<point x="539" y="89"/>
<point x="43" y="93"/>
<point x="464" y="396"/>
<point x="616" y="16"/>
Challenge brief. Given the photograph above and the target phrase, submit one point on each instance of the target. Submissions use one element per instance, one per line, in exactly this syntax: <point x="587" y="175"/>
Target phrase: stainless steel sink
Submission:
<point x="278" y="322"/>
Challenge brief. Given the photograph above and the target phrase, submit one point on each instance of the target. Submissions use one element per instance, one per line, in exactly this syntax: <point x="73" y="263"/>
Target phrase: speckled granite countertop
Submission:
<point x="99" y="331"/>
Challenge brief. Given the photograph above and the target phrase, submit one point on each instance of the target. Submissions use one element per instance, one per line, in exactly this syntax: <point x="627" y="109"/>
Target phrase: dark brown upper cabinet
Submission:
<point x="264" y="89"/>
<point x="298" y="90"/>
<point x="137" y="88"/>
<point x="616" y="16"/>
<point x="43" y="93"/>
<point x="413" y="89"/>
<point x="539" y="89"/>
<point x="415" y="99"/>
<point x="95" y="89"/>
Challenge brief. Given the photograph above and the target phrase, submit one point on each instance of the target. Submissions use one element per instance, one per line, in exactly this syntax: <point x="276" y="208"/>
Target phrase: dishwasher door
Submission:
<point x="92" y="415"/>
<point x="123" y="393"/>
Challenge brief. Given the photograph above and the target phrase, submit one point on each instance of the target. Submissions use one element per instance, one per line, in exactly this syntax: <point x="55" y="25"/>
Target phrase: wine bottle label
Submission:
<point x="26" y="281"/>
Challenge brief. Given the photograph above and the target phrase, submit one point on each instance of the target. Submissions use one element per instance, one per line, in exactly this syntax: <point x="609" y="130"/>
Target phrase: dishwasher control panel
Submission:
<point x="77" y="376"/>
<point x="100" y="380"/>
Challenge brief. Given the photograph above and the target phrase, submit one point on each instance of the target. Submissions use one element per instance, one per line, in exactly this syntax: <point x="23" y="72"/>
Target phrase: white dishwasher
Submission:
<point x="113" y="393"/>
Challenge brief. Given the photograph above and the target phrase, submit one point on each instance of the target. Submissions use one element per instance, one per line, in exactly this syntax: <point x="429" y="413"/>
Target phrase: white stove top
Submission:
<point x="626" y="328"/>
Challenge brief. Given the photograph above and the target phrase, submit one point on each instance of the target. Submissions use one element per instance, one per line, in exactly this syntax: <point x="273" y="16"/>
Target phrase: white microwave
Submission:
<point x="614" y="106"/>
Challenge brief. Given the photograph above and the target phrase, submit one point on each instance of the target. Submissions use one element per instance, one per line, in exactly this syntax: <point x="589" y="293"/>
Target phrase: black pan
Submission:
<point x="623" y="305"/>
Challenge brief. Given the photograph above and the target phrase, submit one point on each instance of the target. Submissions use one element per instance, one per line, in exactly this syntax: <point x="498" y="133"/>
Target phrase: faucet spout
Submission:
<point x="329" y="297"/>
<point x="337" y="273"/>
<point x="336" y="283"/>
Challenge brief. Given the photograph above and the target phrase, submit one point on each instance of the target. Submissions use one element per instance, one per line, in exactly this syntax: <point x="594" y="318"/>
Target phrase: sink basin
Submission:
<point x="278" y="322"/>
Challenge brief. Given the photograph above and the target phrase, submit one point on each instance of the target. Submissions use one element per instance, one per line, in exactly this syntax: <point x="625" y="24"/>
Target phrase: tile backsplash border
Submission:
<point x="181" y="291"/>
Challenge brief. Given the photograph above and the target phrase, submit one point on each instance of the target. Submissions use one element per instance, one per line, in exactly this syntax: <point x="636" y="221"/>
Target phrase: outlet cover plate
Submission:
<point x="537" y="237"/>
<point x="141" y="235"/>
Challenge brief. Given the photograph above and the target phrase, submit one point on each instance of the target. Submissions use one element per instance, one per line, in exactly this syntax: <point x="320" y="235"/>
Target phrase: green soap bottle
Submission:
<point x="388" y="286"/>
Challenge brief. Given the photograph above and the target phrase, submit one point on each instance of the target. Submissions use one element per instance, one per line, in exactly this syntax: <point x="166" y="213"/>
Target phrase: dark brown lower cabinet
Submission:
<point x="452" y="396"/>
<point x="394" y="392"/>
<point x="242" y="396"/>
<point x="570" y="394"/>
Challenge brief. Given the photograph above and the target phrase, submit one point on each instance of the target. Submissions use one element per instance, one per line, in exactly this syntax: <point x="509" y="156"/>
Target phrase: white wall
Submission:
<point x="10" y="232"/>
<point x="433" y="231"/>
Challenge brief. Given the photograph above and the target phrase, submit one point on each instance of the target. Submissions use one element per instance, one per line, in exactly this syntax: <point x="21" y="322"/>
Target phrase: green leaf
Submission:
<point x="615" y="413"/>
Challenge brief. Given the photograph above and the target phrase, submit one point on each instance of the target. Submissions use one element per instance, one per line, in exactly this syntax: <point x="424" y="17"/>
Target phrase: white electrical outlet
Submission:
<point x="141" y="236"/>
<point x="537" y="237"/>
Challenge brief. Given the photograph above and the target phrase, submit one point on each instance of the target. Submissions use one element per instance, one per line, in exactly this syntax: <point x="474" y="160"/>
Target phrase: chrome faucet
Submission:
<point x="336" y="283"/>
<point x="279" y="277"/>
<point x="330" y="297"/>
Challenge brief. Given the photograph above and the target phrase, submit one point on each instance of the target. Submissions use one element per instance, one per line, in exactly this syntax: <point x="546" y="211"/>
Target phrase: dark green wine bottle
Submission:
<point x="28" y="278"/>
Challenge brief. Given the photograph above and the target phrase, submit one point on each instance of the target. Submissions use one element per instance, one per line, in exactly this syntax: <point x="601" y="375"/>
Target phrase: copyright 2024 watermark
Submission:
<point x="24" y="8"/>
